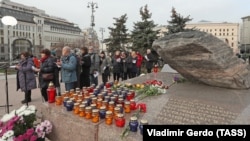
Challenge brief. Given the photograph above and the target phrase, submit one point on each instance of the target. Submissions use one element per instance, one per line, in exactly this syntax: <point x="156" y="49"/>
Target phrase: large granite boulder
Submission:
<point x="202" y="57"/>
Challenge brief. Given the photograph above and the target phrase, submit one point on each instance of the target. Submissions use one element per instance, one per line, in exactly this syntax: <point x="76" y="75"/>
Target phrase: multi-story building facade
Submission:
<point x="228" y="32"/>
<point x="34" y="30"/>
<point x="245" y="34"/>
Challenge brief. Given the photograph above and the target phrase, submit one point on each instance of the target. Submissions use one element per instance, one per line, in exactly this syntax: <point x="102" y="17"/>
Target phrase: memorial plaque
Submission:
<point x="187" y="111"/>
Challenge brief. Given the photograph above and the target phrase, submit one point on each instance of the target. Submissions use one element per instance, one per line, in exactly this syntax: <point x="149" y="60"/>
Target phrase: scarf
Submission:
<point x="44" y="58"/>
<point x="117" y="56"/>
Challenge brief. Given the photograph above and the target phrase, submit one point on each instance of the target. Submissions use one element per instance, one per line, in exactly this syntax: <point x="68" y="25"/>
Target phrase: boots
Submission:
<point x="27" y="97"/>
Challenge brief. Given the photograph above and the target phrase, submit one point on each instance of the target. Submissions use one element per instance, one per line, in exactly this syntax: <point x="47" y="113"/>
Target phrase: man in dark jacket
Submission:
<point x="85" y="65"/>
<point x="57" y="70"/>
<point x="150" y="60"/>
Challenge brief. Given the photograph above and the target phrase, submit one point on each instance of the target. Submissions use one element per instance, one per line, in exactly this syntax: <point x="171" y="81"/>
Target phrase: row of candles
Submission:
<point x="102" y="102"/>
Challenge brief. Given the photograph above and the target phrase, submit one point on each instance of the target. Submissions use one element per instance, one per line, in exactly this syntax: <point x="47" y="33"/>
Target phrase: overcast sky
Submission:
<point x="76" y="11"/>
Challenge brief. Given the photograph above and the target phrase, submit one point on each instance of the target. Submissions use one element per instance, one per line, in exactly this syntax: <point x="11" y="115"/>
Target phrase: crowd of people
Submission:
<point x="78" y="70"/>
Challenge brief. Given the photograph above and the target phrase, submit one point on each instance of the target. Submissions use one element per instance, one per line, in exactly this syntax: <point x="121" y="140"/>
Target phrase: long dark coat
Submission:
<point x="57" y="70"/>
<point x="117" y="64"/>
<point x="26" y="79"/>
<point x="151" y="60"/>
<point x="84" y="76"/>
<point x="48" y="66"/>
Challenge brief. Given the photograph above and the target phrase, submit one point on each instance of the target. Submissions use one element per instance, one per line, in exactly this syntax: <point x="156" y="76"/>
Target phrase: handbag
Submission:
<point x="48" y="76"/>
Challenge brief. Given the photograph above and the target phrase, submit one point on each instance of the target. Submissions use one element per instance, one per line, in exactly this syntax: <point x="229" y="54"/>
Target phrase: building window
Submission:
<point x="232" y="38"/>
<point x="215" y="34"/>
<point x="232" y="44"/>
<point x="1" y="32"/>
<point x="14" y="33"/>
<point x="232" y="34"/>
<point x="2" y="49"/>
<point x="2" y="40"/>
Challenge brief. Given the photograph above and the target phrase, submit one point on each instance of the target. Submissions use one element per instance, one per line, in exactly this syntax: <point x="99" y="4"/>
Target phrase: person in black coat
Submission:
<point x="48" y="65"/>
<point x="124" y="66"/>
<point x="116" y="63"/>
<point x="57" y="70"/>
<point x="150" y="60"/>
<point x="85" y="64"/>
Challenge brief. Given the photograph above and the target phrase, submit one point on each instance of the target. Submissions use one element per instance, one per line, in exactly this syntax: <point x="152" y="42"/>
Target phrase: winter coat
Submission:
<point x="95" y="62"/>
<point x="124" y="67"/>
<point x="134" y="67"/>
<point x="116" y="63"/>
<point x="57" y="70"/>
<point x="26" y="79"/>
<point x="151" y="60"/>
<point x="105" y="65"/>
<point x="129" y="62"/>
<point x="48" y="66"/>
<point x="68" y="69"/>
<point x="139" y="60"/>
<point x="84" y="76"/>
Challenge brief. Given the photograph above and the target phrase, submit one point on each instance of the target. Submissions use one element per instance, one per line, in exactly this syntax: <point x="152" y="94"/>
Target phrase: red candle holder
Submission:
<point x="120" y="120"/>
<point x="129" y="96"/>
<point x="132" y="104"/>
<point x="51" y="93"/>
<point x="155" y="69"/>
<point x="142" y="107"/>
<point x="107" y="85"/>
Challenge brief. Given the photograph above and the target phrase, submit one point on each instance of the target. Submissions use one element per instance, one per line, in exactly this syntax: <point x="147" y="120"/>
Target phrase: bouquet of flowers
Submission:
<point x="19" y="125"/>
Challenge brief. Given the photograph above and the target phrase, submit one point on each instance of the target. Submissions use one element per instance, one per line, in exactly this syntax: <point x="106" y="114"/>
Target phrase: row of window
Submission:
<point x="21" y="8"/>
<point x="219" y="34"/>
<point x="223" y="34"/>
<point x="24" y="27"/>
<point x="23" y="34"/>
<point x="55" y="44"/>
<point x="60" y="39"/>
<point x="64" y="31"/>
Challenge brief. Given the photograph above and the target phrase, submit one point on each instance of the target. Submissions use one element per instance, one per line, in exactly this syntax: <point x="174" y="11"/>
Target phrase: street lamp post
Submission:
<point x="93" y="6"/>
<point x="9" y="21"/>
<point x="102" y="30"/>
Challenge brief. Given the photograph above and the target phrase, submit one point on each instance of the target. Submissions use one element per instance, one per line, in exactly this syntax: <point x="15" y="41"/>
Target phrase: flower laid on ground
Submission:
<point x="19" y="125"/>
<point x="149" y="90"/>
